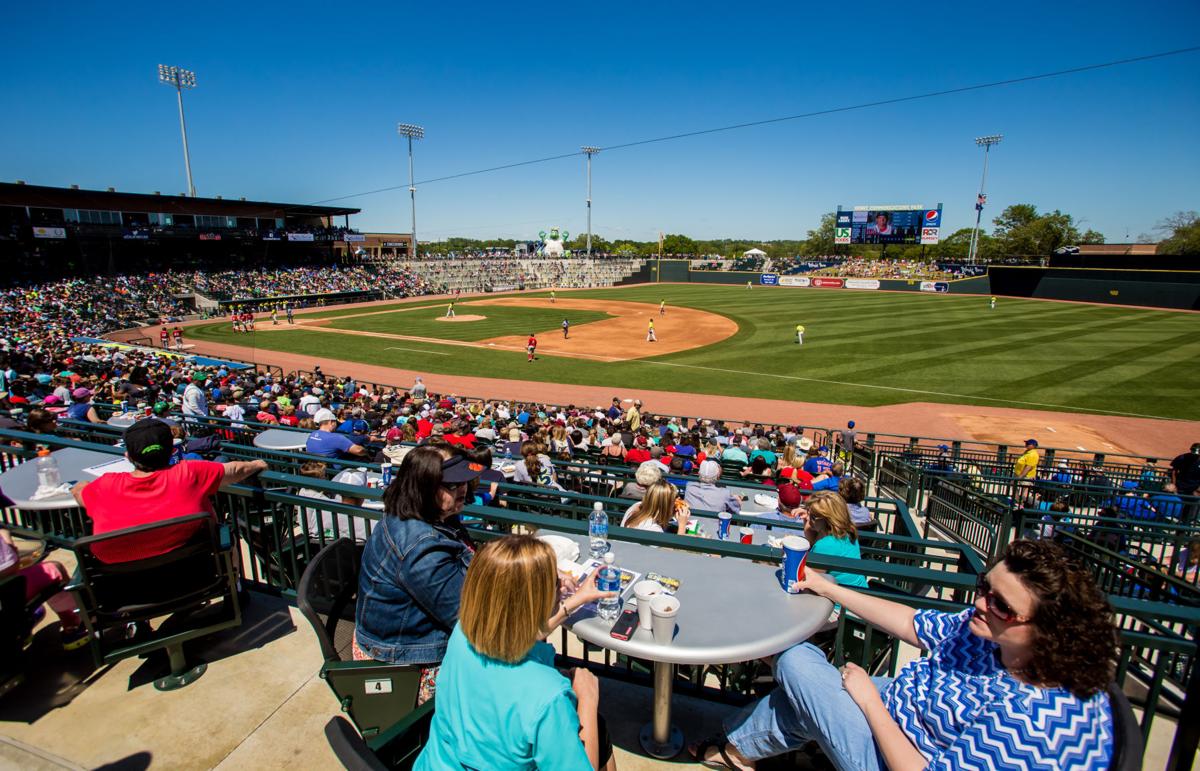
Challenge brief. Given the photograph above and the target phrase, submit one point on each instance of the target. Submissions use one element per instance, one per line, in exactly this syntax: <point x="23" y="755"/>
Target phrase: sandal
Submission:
<point x="716" y="742"/>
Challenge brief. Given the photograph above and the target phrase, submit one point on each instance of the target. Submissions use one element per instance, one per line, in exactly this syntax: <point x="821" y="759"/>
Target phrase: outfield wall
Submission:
<point x="679" y="271"/>
<point x="1150" y="288"/>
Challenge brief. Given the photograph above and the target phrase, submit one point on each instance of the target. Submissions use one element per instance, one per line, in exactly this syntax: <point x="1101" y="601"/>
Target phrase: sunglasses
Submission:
<point x="996" y="604"/>
<point x="454" y="486"/>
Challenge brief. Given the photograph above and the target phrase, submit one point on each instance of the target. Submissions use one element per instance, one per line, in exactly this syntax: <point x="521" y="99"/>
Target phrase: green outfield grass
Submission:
<point x="867" y="348"/>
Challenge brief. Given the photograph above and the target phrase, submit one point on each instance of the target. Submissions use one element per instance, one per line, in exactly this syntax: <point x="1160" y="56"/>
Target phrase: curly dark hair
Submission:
<point x="1075" y="642"/>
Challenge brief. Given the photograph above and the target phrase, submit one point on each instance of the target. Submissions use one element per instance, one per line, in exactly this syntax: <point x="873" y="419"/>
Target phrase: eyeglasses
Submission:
<point x="996" y="604"/>
<point x="454" y="487"/>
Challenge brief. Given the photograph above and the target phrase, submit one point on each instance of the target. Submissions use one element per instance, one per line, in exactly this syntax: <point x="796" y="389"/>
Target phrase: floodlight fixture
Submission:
<point x="180" y="79"/>
<point x="986" y="143"/>
<point x="411" y="131"/>
<point x="589" y="150"/>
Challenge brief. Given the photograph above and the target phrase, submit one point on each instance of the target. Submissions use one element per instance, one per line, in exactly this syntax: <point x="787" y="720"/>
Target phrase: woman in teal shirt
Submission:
<point x="831" y="532"/>
<point x="501" y="705"/>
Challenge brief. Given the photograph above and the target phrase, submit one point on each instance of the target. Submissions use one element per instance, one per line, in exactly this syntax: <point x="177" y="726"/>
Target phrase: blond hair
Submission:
<point x="828" y="515"/>
<point x="511" y="591"/>
<point x="657" y="505"/>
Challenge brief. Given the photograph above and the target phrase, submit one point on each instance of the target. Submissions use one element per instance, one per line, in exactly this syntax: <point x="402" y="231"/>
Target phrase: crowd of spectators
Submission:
<point x="394" y="280"/>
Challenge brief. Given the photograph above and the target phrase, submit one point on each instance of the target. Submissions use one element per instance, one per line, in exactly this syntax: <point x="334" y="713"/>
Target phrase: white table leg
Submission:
<point x="659" y="738"/>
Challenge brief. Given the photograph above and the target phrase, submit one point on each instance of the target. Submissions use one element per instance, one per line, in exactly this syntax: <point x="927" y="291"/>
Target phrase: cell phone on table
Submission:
<point x="625" y="624"/>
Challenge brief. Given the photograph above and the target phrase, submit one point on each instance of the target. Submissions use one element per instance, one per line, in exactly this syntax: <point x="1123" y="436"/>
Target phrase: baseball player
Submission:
<point x="450" y="311"/>
<point x="992" y="302"/>
<point x="531" y="347"/>
<point x="566" y="325"/>
<point x="799" y="334"/>
<point x="553" y="297"/>
<point x="662" y="308"/>
<point x="650" y="336"/>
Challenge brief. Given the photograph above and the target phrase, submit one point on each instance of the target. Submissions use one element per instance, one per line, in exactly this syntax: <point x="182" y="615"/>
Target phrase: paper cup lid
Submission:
<point x="795" y="543"/>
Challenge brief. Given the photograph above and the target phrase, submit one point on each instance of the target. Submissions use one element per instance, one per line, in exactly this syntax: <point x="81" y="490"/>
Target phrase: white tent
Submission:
<point x="754" y="253"/>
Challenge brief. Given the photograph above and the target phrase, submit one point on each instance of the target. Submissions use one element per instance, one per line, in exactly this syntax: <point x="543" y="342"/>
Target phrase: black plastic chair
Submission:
<point x="395" y="750"/>
<point x="180" y="584"/>
<point x="375" y="695"/>
<point x="1128" y="745"/>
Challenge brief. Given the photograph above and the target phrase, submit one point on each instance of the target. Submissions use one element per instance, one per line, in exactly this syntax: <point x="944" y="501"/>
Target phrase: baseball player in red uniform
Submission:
<point x="531" y="346"/>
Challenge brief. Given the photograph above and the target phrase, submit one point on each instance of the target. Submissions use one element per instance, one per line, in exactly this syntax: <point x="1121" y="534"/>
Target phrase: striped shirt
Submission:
<point x="962" y="709"/>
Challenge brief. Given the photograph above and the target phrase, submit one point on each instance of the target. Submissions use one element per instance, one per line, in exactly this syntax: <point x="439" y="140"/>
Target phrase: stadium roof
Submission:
<point x="73" y="198"/>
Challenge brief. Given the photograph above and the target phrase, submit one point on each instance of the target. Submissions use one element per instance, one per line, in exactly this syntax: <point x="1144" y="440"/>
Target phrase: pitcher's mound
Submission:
<point x="462" y="317"/>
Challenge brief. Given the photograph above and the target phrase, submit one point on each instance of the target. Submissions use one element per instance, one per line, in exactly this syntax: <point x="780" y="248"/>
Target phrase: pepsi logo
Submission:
<point x="931" y="215"/>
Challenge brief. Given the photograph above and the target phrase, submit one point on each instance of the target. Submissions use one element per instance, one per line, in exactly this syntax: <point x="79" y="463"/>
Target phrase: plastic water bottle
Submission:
<point x="597" y="531"/>
<point x="47" y="470"/>
<point x="609" y="580"/>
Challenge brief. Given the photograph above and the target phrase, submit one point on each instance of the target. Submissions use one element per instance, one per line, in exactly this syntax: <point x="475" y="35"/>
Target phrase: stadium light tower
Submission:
<point x="986" y="143"/>
<point x="590" y="151"/>
<point x="412" y="132"/>
<point x="180" y="79"/>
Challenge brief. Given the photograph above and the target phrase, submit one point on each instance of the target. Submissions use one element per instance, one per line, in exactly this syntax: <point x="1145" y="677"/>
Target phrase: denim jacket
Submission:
<point x="409" y="589"/>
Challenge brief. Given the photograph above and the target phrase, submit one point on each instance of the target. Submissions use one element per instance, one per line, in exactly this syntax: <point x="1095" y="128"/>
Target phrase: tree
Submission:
<point x="821" y="240"/>
<point x="1021" y="229"/>
<point x="673" y="243"/>
<point x="1182" y="231"/>
<point x="1091" y="237"/>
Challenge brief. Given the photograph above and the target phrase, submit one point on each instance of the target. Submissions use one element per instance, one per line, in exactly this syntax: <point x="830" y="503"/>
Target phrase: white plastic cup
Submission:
<point x="663" y="609"/>
<point x="645" y="591"/>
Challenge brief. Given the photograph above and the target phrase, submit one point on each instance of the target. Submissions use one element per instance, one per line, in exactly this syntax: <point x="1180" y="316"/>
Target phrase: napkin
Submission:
<point x="44" y="493"/>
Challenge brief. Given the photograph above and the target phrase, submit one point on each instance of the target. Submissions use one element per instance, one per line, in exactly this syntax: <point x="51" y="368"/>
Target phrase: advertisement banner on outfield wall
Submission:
<point x="794" y="281"/>
<point x="41" y="232"/>
<point x="829" y="283"/>
<point x="769" y="279"/>
<point x="300" y="236"/>
<point x="353" y="237"/>
<point x="862" y="283"/>
<point x="935" y="286"/>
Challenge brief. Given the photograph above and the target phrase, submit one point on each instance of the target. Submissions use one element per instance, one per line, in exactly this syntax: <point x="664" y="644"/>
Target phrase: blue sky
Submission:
<point x="298" y="102"/>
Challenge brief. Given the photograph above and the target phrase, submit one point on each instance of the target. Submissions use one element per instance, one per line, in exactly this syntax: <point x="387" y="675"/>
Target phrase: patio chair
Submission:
<point x="394" y="750"/>
<point x="1128" y="744"/>
<point x="375" y="695"/>
<point x="193" y="585"/>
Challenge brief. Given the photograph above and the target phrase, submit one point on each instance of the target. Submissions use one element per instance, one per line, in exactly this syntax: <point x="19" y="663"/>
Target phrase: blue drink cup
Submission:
<point x="386" y="469"/>
<point x="723" y="520"/>
<point x="795" y="550"/>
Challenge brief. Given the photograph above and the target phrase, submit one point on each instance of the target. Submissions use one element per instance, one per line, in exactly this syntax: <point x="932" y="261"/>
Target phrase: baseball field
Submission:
<point x="860" y="347"/>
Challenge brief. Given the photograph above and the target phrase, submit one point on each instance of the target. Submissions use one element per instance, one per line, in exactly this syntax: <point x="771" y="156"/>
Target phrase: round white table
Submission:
<point x="21" y="482"/>
<point x="730" y="610"/>
<point x="281" y="439"/>
<point x="123" y="419"/>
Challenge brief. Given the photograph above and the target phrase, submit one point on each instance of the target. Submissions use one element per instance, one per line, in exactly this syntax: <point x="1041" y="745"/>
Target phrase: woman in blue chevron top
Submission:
<point x="1016" y="682"/>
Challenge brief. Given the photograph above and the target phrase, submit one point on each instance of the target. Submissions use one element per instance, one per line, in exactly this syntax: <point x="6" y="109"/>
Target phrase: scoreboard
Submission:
<point x="889" y="224"/>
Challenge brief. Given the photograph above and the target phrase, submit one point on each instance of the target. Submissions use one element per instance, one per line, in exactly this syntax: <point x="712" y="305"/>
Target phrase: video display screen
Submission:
<point x="865" y="225"/>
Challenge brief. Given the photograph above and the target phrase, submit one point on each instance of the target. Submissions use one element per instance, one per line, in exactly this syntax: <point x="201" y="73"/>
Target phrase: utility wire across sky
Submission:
<point x="785" y="118"/>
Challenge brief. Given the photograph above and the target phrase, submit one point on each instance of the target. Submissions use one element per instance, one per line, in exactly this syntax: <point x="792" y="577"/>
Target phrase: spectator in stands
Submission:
<point x="1166" y="504"/>
<point x="1012" y="681"/>
<point x="1187" y="566"/>
<point x="536" y="468"/>
<point x="488" y="491"/>
<point x="39" y="577"/>
<point x="854" y="492"/>
<point x="327" y="443"/>
<point x="82" y="409"/>
<point x="501" y="703"/>
<point x="705" y="494"/>
<point x="734" y="454"/>
<point x="1185" y="471"/>
<point x="640" y="452"/>
<point x="648" y="472"/>
<point x="655" y="511"/>
<point x="762" y="449"/>
<point x="831" y="479"/>
<point x="195" y="401"/>
<point x="816" y="463"/>
<point x="758" y="471"/>
<point x="415" y="563"/>
<point x="154" y="491"/>
<point x="828" y="528"/>
<point x="790" y="505"/>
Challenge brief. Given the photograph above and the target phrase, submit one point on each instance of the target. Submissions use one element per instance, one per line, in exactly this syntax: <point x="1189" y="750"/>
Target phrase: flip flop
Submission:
<point x="716" y="742"/>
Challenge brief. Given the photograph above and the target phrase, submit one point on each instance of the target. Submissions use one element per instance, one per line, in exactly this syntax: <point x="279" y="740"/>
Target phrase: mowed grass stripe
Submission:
<point x="861" y="348"/>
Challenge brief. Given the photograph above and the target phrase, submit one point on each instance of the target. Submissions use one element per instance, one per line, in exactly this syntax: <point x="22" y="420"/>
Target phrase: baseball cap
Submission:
<point x="199" y="377"/>
<point x="805" y="443"/>
<point x="710" y="469"/>
<point x="789" y="496"/>
<point x="459" y="469"/>
<point x="850" y="424"/>
<point x="1031" y="441"/>
<point x="324" y="415"/>
<point x="944" y="447"/>
<point x="80" y="393"/>
<point x="351" y="477"/>
<point x="1129" y="484"/>
<point x="149" y="442"/>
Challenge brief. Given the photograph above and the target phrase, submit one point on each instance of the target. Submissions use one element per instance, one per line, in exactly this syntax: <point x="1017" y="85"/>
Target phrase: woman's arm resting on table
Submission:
<point x="892" y="617"/>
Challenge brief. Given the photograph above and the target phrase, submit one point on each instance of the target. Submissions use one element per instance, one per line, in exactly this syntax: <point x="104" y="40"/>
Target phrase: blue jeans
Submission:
<point x="809" y="704"/>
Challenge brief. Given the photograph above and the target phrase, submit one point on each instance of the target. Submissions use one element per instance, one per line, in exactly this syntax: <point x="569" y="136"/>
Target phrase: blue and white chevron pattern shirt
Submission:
<point x="963" y="711"/>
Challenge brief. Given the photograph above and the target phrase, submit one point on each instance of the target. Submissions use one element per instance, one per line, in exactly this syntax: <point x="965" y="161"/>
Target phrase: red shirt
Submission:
<point x="799" y="476"/>
<point x="532" y="342"/>
<point x="637" y="456"/>
<point x="424" y="428"/>
<point x="288" y="420"/>
<point x="121" y="500"/>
